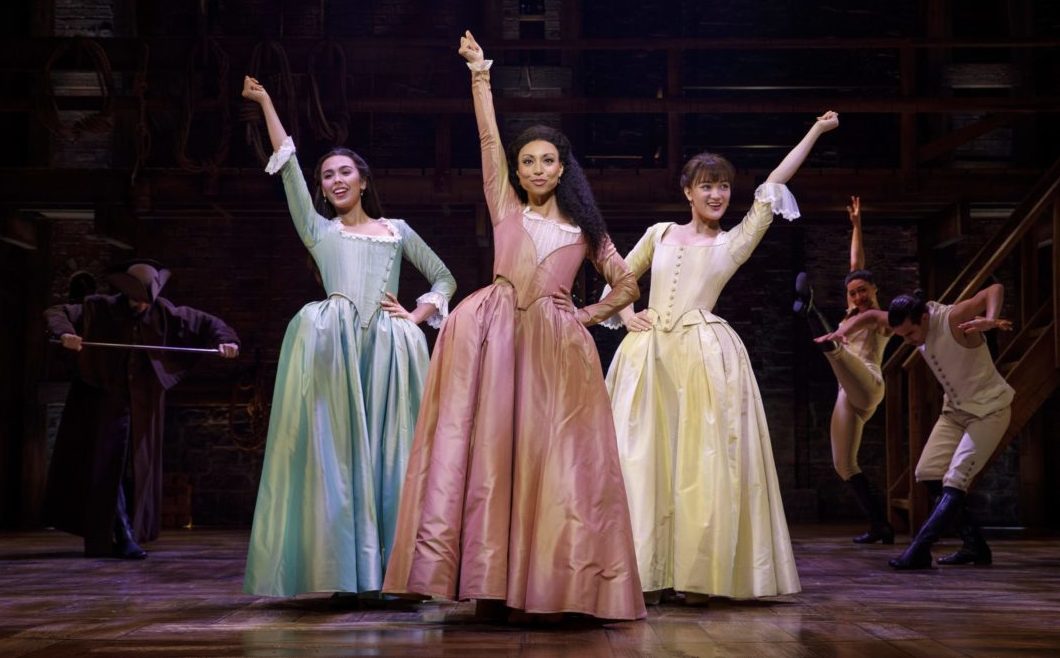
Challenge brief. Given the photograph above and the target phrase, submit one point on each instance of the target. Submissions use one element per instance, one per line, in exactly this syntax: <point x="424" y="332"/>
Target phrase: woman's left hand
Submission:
<point x="391" y="305"/>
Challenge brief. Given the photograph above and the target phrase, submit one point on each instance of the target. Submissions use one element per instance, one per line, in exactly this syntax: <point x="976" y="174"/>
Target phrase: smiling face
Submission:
<point x="709" y="199"/>
<point x="341" y="182"/>
<point x="539" y="168"/>
<point x="861" y="295"/>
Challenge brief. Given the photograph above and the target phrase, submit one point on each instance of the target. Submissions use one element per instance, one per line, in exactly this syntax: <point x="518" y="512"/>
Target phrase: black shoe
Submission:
<point x="918" y="554"/>
<point x="872" y="507"/>
<point x="974" y="549"/>
<point x="883" y="534"/>
<point x="803" y="294"/>
<point x="125" y="546"/>
<point x="804" y="307"/>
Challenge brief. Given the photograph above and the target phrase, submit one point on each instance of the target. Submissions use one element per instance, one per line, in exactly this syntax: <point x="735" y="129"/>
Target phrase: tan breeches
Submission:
<point x="860" y="392"/>
<point x="959" y="446"/>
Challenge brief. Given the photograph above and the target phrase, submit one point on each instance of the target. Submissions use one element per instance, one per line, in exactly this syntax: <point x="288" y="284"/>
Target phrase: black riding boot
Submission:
<point x="125" y="545"/>
<point x="974" y="549"/>
<point x="918" y="554"/>
<point x="804" y="306"/>
<point x="879" y="530"/>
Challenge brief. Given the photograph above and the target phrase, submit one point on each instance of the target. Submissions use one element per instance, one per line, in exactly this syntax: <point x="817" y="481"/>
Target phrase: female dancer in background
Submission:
<point x="855" y="352"/>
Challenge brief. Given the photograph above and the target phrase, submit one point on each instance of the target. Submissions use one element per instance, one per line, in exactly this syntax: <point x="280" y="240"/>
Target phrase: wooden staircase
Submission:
<point x="1030" y="361"/>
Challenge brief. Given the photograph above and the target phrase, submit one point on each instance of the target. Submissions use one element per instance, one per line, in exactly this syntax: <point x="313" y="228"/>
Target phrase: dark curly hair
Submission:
<point x="907" y="307"/>
<point x="370" y="198"/>
<point x="573" y="195"/>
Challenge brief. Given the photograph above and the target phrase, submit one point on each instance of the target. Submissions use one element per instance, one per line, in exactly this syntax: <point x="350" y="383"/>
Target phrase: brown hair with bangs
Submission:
<point x="708" y="167"/>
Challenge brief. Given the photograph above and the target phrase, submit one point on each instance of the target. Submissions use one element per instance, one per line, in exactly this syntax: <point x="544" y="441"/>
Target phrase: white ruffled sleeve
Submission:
<point x="280" y="156"/>
<point x="441" y="302"/>
<point x="780" y="198"/>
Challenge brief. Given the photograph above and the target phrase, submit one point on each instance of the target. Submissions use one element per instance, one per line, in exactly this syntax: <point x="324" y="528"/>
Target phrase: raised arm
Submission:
<point x="254" y="91"/>
<point x="857" y="250"/>
<point x="307" y="221"/>
<point x="499" y="194"/>
<point x="794" y="159"/>
<point x="980" y="312"/>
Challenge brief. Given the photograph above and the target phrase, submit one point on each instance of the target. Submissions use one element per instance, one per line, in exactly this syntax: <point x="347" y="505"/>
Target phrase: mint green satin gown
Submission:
<point x="348" y="388"/>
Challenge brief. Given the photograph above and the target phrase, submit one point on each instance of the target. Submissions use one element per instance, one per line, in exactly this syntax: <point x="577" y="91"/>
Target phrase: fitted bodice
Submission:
<point x="357" y="267"/>
<point x="686" y="280"/>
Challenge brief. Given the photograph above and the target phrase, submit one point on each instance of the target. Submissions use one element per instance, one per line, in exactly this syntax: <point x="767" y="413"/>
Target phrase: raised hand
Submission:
<point x="828" y="121"/>
<point x="469" y="48"/>
<point x="979" y="324"/>
<point x="253" y="90"/>
<point x="854" y="210"/>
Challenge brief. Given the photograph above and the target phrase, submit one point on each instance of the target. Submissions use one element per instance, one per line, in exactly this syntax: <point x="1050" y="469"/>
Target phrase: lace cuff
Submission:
<point x="615" y="321"/>
<point x="484" y="65"/>
<point x="280" y="156"/>
<point x="780" y="198"/>
<point x="440" y="302"/>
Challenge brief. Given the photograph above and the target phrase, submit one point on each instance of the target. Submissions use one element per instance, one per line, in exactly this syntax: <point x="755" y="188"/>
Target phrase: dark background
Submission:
<point x="124" y="134"/>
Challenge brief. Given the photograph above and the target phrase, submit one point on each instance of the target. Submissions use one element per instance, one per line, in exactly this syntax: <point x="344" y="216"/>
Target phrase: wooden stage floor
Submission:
<point x="186" y="600"/>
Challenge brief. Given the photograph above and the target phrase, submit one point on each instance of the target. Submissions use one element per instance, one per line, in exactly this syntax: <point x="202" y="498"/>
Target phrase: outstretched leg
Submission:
<point x="804" y="307"/>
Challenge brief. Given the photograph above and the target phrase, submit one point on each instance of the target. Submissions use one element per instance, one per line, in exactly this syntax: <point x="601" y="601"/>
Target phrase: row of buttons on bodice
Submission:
<point x="669" y="312"/>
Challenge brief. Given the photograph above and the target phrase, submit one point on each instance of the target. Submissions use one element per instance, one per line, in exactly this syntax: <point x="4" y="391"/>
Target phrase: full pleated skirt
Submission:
<point x="698" y="464"/>
<point x="514" y="490"/>
<point x="343" y="414"/>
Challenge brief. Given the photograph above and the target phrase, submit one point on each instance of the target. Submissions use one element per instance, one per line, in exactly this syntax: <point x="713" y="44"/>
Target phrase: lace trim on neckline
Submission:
<point x="350" y="235"/>
<point x="530" y="214"/>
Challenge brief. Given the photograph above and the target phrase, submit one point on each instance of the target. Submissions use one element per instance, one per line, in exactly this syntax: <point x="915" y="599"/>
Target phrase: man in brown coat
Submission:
<point x="105" y="477"/>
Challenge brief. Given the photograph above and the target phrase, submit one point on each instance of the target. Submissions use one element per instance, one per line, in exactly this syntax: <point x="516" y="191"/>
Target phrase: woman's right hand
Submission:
<point x="469" y="48"/>
<point x="854" y="210"/>
<point x="640" y="322"/>
<point x="253" y="91"/>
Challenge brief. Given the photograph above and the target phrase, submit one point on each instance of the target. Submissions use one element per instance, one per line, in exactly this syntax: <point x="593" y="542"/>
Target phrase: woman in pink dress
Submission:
<point x="514" y="491"/>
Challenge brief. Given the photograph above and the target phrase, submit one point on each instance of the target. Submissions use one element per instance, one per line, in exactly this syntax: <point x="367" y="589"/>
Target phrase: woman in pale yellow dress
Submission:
<point x="692" y="434"/>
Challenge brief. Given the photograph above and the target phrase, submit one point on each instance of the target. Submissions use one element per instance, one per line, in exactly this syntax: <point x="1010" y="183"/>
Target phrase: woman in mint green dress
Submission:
<point x="348" y="384"/>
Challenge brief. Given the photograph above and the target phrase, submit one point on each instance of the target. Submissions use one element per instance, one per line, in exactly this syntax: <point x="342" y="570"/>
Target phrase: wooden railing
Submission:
<point x="1030" y="362"/>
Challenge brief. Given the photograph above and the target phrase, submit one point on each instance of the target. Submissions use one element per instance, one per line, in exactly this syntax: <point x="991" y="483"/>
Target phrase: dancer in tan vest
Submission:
<point x="975" y="413"/>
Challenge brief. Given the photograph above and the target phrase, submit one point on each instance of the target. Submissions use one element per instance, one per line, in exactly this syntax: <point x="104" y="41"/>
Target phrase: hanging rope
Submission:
<point x="213" y="59"/>
<point x="266" y="57"/>
<point x="141" y="132"/>
<point x="330" y="58"/>
<point x="45" y="99"/>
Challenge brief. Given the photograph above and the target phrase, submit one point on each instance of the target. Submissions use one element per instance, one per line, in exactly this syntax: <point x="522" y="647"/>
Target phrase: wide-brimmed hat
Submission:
<point x="140" y="280"/>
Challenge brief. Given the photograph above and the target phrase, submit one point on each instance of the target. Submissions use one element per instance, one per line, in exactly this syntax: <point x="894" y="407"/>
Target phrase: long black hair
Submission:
<point x="369" y="198"/>
<point x="907" y="307"/>
<point x="573" y="195"/>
